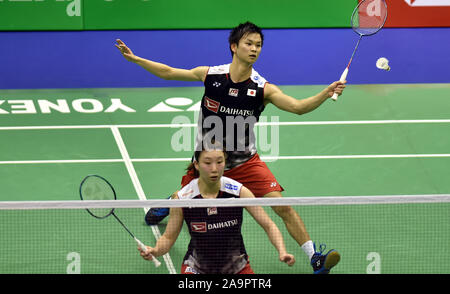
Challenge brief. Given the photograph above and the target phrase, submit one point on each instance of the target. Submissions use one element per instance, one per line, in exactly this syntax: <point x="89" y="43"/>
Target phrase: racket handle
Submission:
<point x="342" y="79"/>
<point x="144" y="248"/>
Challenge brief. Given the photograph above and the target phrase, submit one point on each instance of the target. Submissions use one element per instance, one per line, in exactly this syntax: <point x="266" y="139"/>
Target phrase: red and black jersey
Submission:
<point x="229" y="112"/>
<point x="216" y="245"/>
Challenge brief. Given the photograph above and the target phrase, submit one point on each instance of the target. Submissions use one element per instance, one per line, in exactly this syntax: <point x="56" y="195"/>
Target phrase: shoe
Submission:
<point x="323" y="263"/>
<point x="155" y="215"/>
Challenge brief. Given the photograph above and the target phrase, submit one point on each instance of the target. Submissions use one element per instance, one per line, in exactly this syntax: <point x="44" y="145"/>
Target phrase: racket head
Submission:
<point x="95" y="187"/>
<point x="369" y="16"/>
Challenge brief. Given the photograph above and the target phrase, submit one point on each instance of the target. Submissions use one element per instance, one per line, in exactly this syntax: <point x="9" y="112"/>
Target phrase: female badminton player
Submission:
<point x="216" y="245"/>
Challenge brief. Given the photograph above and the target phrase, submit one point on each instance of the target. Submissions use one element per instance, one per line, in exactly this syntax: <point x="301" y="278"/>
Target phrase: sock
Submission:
<point x="308" y="248"/>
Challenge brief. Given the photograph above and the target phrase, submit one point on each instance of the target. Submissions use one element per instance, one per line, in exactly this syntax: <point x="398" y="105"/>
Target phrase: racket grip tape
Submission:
<point x="342" y="79"/>
<point x="156" y="262"/>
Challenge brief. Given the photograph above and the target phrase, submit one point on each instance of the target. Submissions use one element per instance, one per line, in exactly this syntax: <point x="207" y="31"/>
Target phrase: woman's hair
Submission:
<point x="241" y="30"/>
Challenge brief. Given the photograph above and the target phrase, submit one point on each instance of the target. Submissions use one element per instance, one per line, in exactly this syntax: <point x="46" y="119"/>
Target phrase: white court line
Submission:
<point x="302" y="157"/>
<point x="355" y="122"/>
<point x="360" y="122"/>
<point x="363" y="156"/>
<point x="186" y="159"/>
<point x="60" y="161"/>
<point x="138" y="187"/>
<point x="297" y="123"/>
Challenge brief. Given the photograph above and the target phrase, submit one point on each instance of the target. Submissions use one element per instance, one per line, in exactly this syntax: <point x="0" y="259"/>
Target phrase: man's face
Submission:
<point x="249" y="48"/>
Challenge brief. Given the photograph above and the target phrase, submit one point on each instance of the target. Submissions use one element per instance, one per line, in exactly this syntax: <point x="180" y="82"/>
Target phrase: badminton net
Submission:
<point x="399" y="234"/>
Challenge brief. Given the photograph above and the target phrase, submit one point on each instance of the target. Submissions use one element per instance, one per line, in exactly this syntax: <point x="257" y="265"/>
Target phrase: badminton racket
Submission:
<point x="368" y="17"/>
<point x="94" y="187"/>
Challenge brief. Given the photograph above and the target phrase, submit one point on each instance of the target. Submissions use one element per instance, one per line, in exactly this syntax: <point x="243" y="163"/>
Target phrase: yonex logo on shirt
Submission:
<point x="231" y="187"/>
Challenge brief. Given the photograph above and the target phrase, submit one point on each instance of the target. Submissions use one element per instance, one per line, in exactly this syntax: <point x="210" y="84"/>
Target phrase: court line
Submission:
<point x="140" y="191"/>
<point x="363" y="156"/>
<point x="296" y="123"/>
<point x="264" y="158"/>
<point x="61" y="161"/>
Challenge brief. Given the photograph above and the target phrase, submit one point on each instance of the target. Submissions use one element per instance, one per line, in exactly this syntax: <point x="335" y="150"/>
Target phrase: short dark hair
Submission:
<point x="241" y="30"/>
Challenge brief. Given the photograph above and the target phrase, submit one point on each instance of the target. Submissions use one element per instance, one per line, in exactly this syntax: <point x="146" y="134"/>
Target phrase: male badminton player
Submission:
<point x="216" y="245"/>
<point x="234" y="90"/>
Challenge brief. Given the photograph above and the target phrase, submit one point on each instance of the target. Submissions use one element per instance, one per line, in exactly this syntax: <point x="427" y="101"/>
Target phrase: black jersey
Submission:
<point x="216" y="245"/>
<point x="229" y="112"/>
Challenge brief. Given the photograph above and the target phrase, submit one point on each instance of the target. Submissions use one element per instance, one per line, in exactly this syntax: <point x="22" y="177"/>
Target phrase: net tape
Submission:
<point x="229" y="202"/>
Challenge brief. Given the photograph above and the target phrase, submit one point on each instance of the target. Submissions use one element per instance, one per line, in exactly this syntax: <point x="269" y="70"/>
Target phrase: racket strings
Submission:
<point x="369" y="17"/>
<point x="96" y="188"/>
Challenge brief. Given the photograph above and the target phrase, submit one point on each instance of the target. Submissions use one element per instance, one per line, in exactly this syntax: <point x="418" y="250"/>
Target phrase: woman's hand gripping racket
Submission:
<point x="367" y="19"/>
<point x="95" y="187"/>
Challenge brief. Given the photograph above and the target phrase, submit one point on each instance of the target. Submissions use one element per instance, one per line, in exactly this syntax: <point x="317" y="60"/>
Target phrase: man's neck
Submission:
<point x="240" y="72"/>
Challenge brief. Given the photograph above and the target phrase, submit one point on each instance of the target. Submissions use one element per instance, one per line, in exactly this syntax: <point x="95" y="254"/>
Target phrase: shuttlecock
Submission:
<point x="383" y="63"/>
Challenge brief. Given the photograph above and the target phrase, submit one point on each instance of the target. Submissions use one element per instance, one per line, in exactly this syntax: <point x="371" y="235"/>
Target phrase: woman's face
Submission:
<point x="211" y="165"/>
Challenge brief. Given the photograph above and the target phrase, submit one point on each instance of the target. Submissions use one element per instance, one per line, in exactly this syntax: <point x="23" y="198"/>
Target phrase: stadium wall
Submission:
<point x="50" y="49"/>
